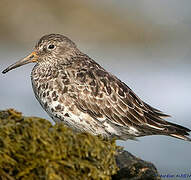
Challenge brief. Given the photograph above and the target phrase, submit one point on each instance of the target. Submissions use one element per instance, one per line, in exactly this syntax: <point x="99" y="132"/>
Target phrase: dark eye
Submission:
<point x="51" y="46"/>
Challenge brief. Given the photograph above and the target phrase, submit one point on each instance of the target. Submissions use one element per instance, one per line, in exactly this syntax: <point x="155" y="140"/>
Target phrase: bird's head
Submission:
<point x="49" y="49"/>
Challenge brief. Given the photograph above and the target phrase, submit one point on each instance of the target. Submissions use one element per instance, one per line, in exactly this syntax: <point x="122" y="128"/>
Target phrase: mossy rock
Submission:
<point x="33" y="148"/>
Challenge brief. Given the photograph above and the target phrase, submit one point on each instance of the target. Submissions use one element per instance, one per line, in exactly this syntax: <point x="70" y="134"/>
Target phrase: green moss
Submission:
<point x="32" y="148"/>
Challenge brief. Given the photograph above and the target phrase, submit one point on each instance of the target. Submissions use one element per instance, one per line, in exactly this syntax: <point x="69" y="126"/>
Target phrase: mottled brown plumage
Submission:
<point x="74" y="89"/>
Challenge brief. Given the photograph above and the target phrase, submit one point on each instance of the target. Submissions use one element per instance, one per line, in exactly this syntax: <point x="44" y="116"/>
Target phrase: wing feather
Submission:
<point x="113" y="99"/>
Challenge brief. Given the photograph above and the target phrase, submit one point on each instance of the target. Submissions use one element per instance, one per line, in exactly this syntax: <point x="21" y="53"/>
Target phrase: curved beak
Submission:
<point x="29" y="59"/>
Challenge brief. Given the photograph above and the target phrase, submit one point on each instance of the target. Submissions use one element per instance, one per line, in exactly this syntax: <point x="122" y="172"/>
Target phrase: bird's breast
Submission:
<point x="52" y="87"/>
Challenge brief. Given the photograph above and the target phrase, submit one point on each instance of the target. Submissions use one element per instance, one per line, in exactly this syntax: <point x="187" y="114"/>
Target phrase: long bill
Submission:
<point x="29" y="59"/>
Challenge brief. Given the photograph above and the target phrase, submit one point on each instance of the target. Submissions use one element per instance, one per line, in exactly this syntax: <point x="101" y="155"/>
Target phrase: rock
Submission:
<point x="33" y="148"/>
<point x="133" y="168"/>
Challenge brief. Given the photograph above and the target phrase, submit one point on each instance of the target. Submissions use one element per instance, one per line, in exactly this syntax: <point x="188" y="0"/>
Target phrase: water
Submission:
<point x="159" y="78"/>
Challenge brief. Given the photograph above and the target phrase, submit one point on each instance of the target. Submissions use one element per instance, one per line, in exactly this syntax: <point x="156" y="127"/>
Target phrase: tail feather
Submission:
<point x="174" y="130"/>
<point x="158" y="125"/>
<point x="183" y="137"/>
<point x="178" y="131"/>
<point x="169" y="129"/>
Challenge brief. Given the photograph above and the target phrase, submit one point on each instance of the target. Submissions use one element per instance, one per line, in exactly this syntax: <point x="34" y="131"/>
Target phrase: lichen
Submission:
<point x="33" y="148"/>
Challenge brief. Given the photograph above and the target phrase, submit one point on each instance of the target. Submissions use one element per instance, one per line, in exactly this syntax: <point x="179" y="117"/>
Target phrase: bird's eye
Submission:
<point x="51" y="46"/>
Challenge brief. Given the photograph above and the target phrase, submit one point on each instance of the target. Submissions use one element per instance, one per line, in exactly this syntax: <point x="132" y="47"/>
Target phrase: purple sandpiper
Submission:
<point x="73" y="89"/>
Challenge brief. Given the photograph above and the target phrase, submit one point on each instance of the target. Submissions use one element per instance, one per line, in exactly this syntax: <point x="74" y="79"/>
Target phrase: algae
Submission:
<point x="33" y="148"/>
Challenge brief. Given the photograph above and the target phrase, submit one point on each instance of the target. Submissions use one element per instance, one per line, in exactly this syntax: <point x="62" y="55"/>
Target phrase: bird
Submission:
<point x="75" y="90"/>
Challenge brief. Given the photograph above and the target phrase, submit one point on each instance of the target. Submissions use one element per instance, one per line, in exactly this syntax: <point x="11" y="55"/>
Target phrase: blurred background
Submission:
<point x="146" y="43"/>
